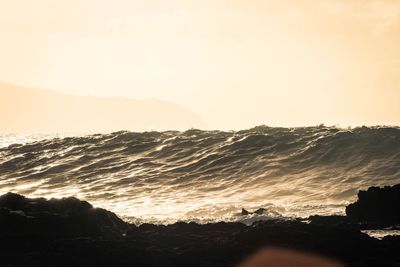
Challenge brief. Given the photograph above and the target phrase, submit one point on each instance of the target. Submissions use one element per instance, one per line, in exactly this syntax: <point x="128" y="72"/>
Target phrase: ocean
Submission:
<point x="205" y="176"/>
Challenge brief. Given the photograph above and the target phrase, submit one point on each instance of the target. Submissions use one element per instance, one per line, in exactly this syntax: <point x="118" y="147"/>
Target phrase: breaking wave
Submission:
<point x="203" y="176"/>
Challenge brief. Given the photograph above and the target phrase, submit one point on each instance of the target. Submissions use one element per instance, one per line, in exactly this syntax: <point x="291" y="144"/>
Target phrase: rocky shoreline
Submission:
<point x="70" y="232"/>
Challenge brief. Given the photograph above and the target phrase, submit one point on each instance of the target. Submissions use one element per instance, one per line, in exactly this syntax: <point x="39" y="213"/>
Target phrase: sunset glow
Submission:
<point x="235" y="63"/>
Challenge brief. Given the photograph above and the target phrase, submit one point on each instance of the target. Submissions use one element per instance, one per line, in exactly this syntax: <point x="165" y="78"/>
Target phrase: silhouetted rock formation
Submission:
<point x="258" y="211"/>
<point x="70" y="232"/>
<point x="245" y="212"/>
<point x="334" y="220"/>
<point x="67" y="217"/>
<point x="377" y="206"/>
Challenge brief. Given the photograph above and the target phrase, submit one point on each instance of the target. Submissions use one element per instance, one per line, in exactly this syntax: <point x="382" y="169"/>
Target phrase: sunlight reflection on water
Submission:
<point x="204" y="175"/>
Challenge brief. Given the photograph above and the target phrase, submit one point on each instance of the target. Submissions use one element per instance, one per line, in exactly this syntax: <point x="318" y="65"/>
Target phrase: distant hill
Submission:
<point x="26" y="110"/>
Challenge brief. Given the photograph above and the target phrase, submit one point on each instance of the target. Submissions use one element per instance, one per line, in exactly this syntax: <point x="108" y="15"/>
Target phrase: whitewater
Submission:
<point x="205" y="176"/>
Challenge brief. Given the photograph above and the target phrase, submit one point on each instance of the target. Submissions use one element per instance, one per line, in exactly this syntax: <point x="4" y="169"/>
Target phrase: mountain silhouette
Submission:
<point x="27" y="110"/>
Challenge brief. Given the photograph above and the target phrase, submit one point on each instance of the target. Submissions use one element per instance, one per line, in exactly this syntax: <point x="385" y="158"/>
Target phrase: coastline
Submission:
<point x="70" y="232"/>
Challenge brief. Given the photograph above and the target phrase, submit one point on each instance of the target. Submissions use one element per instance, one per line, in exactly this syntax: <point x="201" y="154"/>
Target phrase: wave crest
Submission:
<point x="156" y="176"/>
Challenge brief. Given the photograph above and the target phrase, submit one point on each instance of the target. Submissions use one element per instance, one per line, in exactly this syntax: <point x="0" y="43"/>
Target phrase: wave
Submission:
<point x="206" y="175"/>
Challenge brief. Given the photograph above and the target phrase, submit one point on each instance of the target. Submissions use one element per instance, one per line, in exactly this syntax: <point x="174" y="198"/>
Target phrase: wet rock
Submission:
<point x="334" y="220"/>
<point x="259" y="211"/>
<point x="245" y="212"/>
<point x="20" y="216"/>
<point x="70" y="232"/>
<point x="377" y="205"/>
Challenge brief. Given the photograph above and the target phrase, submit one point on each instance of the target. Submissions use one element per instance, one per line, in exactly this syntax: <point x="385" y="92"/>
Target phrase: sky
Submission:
<point x="236" y="64"/>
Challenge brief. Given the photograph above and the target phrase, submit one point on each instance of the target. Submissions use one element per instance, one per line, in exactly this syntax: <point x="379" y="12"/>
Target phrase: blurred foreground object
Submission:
<point x="276" y="257"/>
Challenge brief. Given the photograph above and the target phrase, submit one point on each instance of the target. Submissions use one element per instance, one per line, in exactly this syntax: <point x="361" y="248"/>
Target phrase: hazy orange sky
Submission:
<point x="235" y="63"/>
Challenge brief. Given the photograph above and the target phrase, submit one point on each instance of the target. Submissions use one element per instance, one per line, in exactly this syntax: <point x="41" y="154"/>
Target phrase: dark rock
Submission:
<point x="12" y="201"/>
<point x="20" y="216"/>
<point x="334" y="220"/>
<point x="258" y="211"/>
<point x="70" y="232"/>
<point x="377" y="206"/>
<point x="245" y="212"/>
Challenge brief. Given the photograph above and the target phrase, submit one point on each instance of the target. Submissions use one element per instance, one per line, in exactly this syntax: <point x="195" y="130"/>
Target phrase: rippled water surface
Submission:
<point x="205" y="175"/>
